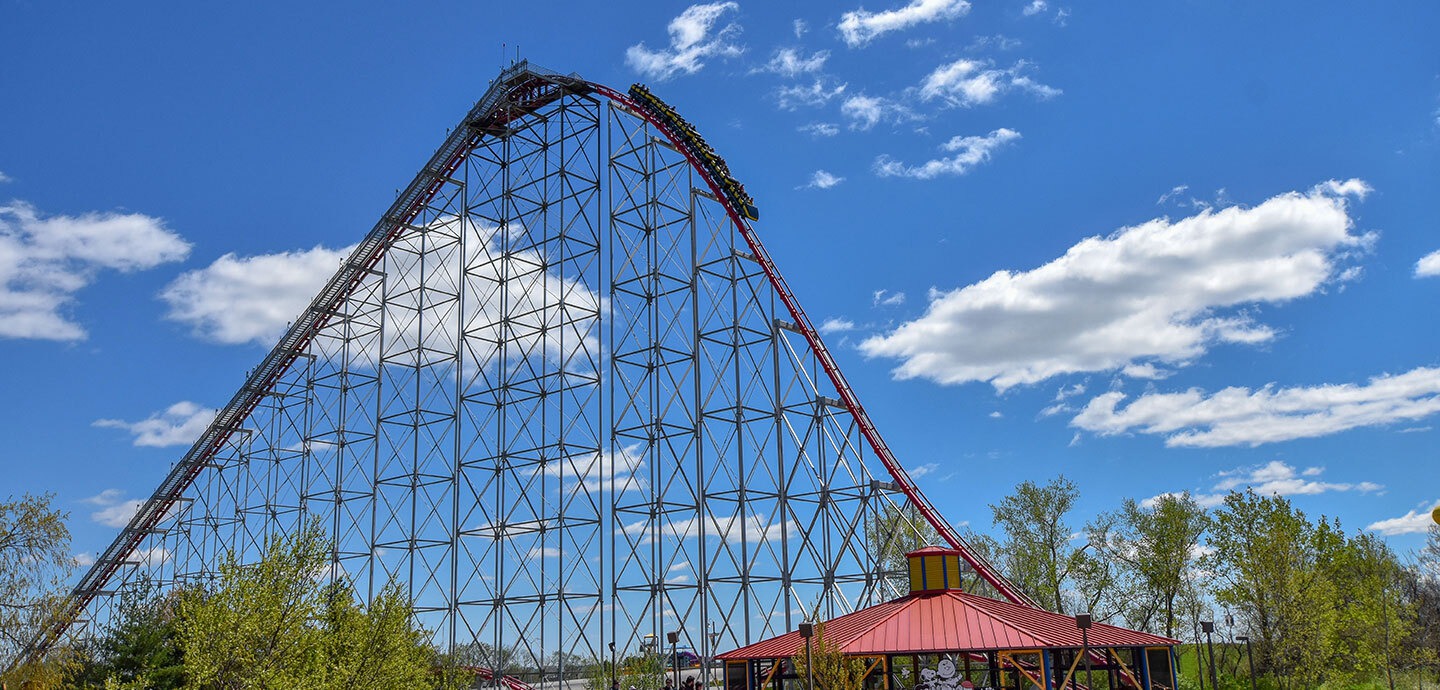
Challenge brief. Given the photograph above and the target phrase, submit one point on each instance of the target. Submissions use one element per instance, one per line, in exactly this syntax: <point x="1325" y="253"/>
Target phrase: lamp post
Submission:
<point x="614" y="679"/>
<point x="1249" y="655"/>
<point x="1082" y="621"/>
<point x="1209" y="627"/>
<point x="714" y="640"/>
<point x="806" y="630"/>
<point x="673" y="637"/>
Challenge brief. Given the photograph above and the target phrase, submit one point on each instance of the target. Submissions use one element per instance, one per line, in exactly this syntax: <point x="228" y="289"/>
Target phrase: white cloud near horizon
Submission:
<point x="1428" y="266"/>
<point x="693" y="39"/>
<point x="1162" y="292"/>
<point x="250" y="299"/>
<point x="965" y="83"/>
<point x="177" y="425"/>
<point x="1417" y="521"/>
<point x="46" y="260"/>
<point x="968" y="152"/>
<point x="1238" y="416"/>
<point x="860" y="26"/>
<point x="1273" y="478"/>
<point x="821" y="179"/>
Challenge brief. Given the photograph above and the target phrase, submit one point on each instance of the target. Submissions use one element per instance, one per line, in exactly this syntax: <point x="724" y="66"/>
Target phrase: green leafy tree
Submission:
<point x="1154" y="550"/>
<point x="643" y="672"/>
<point x="833" y="670"/>
<point x="35" y="560"/>
<point x="275" y="624"/>
<point x="1266" y="565"/>
<point x="1038" y="554"/>
<point x="142" y="647"/>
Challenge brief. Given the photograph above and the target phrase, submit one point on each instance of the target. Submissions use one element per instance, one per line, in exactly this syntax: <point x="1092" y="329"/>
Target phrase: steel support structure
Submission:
<point x="561" y="396"/>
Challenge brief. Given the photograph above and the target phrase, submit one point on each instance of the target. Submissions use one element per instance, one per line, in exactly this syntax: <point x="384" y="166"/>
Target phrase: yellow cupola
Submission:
<point x="933" y="569"/>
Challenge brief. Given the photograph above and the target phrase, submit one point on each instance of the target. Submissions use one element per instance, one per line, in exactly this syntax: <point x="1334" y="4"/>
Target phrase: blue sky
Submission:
<point x="1155" y="247"/>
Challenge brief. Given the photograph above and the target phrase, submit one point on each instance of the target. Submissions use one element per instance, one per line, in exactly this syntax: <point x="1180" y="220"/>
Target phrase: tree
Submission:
<point x="35" y="560"/>
<point x="275" y="624"/>
<point x="833" y="670"/>
<point x="1037" y="552"/>
<point x="1267" y="569"/>
<point x="1155" y="549"/>
<point x="142" y="647"/>
<point x="892" y="532"/>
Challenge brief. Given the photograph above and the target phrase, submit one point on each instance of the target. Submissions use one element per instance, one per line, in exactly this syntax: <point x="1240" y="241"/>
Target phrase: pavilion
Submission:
<point x="939" y="637"/>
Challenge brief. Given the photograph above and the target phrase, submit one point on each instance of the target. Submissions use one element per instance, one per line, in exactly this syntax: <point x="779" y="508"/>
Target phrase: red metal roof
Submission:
<point x="946" y="621"/>
<point x="933" y="551"/>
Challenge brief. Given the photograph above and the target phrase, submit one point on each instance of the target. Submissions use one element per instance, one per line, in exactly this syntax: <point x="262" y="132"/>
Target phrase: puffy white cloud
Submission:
<point x="4" y="178"/>
<point x="1238" y="416"/>
<point x="45" y="261"/>
<point x="966" y="83"/>
<point x="837" y="325"/>
<point x="1428" y="265"/>
<point x="1414" y="522"/>
<point x="1161" y="292"/>
<point x="968" y="153"/>
<point x="865" y="112"/>
<point x="789" y="62"/>
<point x="800" y="28"/>
<point x="115" y="510"/>
<point x="84" y="560"/>
<point x="858" y="27"/>
<point x="814" y="94"/>
<point x="1273" y="478"/>
<point x="178" y="425"/>
<point x="1035" y="7"/>
<point x="250" y="299"/>
<point x="819" y="129"/>
<point x="693" y="39"/>
<point x="822" y="180"/>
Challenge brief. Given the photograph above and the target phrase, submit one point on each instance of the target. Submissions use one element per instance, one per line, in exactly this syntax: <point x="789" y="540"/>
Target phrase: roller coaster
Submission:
<point x="561" y="393"/>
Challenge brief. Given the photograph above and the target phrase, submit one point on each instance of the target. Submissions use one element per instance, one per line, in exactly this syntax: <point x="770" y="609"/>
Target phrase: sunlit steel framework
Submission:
<point x="562" y="396"/>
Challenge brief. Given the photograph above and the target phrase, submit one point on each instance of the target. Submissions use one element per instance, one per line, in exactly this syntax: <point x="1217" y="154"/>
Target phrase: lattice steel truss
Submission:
<point x="560" y="394"/>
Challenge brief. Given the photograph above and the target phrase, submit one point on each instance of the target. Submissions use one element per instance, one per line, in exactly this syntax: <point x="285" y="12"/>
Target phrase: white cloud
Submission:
<point x="84" y="560"/>
<point x="115" y="509"/>
<point x="179" y="425"/>
<point x="835" y="325"/>
<point x="45" y="261"/>
<point x="1428" y="266"/>
<point x="865" y="112"/>
<point x="1035" y="7"/>
<point x="693" y="39"/>
<point x="822" y="180"/>
<point x="968" y="153"/>
<point x="788" y="62"/>
<point x="966" y="83"/>
<point x="1237" y="416"/>
<point x="885" y="298"/>
<point x="250" y="299"/>
<point x="815" y="94"/>
<point x="1160" y="292"/>
<point x="754" y="528"/>
<point x="1414" y="522"/>
<point x="819" y="129"/>
<point x="800" y="28"/>
<point x="4" y="178"/>
<point x="1273" y="478"/>
<point x="858" y="27"/>
<point x="922" y="470"/>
